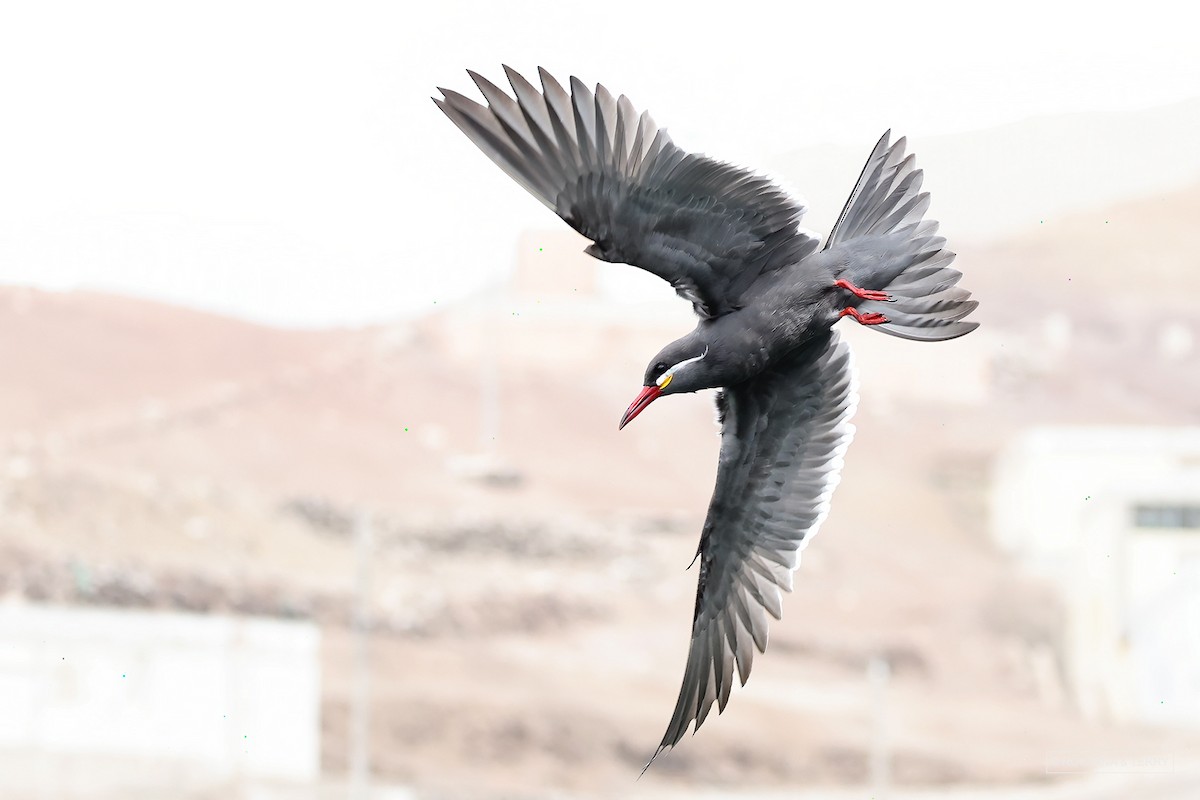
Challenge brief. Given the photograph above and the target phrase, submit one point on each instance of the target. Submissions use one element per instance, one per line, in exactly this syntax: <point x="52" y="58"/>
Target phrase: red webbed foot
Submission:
<point x="870" y="318"/>
<point x="865" y="294"/>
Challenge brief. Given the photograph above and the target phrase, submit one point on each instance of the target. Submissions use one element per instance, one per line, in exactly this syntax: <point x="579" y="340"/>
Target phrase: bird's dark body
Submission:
<point x="767" y="296"/>
<point x="744" y="343"/>
<point x="786" y="308"/>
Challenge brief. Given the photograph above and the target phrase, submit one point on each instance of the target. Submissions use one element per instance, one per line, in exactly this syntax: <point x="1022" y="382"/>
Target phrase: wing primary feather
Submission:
<point x="745" y="644"/>
<point x="753" y="620"/>
<point x="621" y="141"/>
<point x="537" y="116"/>
<point x="606" y="104"/>
<point x="726" y="644"/>
<point x="584" y="106"/>
<point x="643" y="142"/>
<point x="603" y="143"/>
<point x="485" y="131"/>
<point x="508" y="113"/>
<point x="562" y="119"/>
<point x="706" y="690"/>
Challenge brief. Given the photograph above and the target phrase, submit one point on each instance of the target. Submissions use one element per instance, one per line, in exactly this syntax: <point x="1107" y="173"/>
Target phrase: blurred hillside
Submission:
<point x="528" y="591"/>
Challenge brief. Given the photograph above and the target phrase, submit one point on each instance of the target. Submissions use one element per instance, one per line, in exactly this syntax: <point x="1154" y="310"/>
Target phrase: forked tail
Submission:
<point x="890" y="251"/>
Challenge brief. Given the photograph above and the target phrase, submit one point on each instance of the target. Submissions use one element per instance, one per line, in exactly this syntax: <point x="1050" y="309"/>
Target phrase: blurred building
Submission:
<point x="561" y="306"/>
<point x="1112" y="517"/>
<point x="154" y="699"/>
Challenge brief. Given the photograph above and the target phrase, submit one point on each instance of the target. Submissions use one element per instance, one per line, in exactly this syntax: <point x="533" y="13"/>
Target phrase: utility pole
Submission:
<point x="878" y="676"/>
<point x="489" y="390"/>
<point x="360" y="701"/>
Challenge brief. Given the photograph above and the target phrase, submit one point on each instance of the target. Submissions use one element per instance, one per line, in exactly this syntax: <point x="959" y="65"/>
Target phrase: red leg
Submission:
<point x="865" y="294"/>
<point x="870" y="318"/>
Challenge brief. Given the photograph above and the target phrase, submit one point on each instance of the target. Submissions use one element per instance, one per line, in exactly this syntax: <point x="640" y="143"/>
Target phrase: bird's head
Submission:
<point x="679" y="367"/>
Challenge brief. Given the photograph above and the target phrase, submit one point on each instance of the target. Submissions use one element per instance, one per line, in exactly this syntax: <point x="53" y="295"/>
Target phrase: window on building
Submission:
<point x="1166" y="515"/>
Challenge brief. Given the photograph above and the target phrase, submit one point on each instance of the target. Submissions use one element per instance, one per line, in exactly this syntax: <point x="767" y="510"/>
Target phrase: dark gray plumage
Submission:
<point x="729" y="242"/>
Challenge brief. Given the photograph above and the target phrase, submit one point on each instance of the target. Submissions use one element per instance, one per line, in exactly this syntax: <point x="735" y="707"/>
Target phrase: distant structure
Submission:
<point x="552" y="265"/>
<point x="559" y="306"/>
<point x="1112" y="517"/>
<point x="154" y="699"/>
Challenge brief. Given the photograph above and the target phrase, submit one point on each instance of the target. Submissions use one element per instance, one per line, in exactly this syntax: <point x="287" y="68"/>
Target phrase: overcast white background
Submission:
<point x="283" y="161"/>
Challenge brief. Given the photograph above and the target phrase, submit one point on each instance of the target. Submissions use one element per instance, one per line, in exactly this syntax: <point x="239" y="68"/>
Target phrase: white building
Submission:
<point x="1112" y="517"/>
<point x="154" y="698"/>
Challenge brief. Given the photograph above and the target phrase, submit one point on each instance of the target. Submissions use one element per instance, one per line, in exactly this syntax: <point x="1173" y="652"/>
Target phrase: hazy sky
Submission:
<point x="282" y="161"/>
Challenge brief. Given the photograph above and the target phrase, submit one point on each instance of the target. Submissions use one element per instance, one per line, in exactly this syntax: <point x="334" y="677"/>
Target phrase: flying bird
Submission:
<point x="767" y="295"/>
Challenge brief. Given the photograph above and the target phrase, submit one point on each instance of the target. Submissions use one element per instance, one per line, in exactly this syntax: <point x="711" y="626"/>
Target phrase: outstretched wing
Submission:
<point x="709" y="228"/>
<point x="783" y="438"/>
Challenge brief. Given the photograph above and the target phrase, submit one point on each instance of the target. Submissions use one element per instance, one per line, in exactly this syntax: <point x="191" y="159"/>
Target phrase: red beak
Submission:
<point x="648" y="396"/>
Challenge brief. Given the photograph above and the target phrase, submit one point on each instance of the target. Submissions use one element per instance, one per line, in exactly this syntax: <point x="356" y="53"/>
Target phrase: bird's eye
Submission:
<point x="660" y="367"/>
